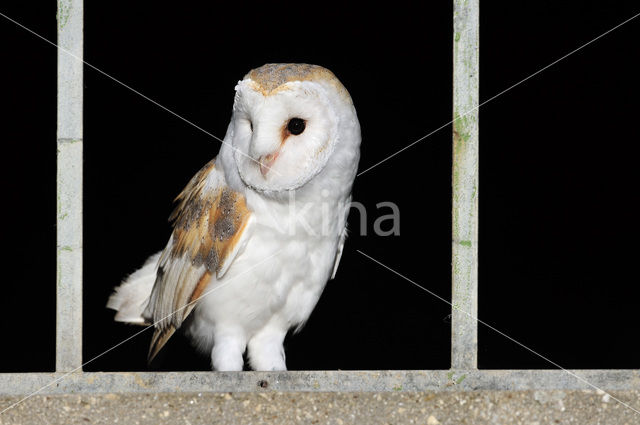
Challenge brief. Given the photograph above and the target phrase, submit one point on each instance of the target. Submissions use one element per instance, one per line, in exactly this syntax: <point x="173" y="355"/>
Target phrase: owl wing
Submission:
<point x="211" y="225"/>
<point x="341" y="238"/>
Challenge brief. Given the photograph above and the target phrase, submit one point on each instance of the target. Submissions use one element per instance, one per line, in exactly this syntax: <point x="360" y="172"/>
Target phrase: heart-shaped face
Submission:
<point x="286" y="123"/>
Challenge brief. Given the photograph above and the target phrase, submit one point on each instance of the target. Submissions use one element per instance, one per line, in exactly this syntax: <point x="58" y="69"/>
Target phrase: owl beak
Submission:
<point x="266" y="162"/>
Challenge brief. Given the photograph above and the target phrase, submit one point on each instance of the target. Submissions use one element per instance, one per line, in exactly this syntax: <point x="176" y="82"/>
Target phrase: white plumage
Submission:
<point x="260" y="229"/>
<point x="130" y="298"/>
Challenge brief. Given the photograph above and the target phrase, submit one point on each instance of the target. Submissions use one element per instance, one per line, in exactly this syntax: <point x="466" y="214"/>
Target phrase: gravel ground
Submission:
<point x="481" y="407"/>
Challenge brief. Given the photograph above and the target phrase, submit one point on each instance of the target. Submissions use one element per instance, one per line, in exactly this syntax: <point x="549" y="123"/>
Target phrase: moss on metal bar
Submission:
<point x="69" y="187"/>
<point x="465" y="185"/>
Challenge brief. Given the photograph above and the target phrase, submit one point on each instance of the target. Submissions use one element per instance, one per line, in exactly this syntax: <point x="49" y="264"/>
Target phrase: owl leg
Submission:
<point x="227" y="351"/>
<point x="266" y="351"/>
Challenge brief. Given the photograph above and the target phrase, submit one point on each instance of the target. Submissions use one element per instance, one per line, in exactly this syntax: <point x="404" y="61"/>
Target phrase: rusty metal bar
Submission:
<point x="69" y="187"/>
<point x="464" y="327"/>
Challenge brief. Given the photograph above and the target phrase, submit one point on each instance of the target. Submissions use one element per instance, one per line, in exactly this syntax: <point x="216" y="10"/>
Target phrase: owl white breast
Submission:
<point x="260" y="229"/>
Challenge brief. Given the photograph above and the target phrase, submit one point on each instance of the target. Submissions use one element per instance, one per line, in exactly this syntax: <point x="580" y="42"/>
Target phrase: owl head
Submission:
<point x="289" y="123"/>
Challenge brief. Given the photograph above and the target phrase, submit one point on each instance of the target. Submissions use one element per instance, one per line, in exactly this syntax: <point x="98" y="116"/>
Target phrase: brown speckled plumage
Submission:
<point x="205" y="224"/>
<point x="208" y="223"/>
<point x="271" y="77"/>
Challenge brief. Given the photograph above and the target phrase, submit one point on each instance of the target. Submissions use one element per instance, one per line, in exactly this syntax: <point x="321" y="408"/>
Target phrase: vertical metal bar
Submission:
<point x="464" y="327"/>
<point x="69" y="181"/>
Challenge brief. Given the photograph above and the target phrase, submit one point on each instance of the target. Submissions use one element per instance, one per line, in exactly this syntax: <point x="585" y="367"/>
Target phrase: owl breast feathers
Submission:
<point x="259" y="230"/>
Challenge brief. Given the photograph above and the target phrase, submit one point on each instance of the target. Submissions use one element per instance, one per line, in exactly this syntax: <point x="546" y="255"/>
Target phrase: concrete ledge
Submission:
<point x="431" y="408"/>
<point x="317" y="381"/>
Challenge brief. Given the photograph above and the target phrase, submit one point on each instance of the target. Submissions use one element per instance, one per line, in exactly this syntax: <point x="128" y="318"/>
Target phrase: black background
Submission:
<point x="558" y="269"/>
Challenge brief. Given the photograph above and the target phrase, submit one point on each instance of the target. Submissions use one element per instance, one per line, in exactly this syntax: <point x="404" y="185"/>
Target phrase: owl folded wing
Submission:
<point x="211" y="225"/>
<point x="342" y="236"/>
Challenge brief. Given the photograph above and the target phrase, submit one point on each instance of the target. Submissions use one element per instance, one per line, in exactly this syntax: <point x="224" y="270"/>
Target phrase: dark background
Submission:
<point x="558" y="174"/>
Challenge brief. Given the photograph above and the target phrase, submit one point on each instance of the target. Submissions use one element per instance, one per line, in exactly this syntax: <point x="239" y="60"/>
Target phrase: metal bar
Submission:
<point x="69" y="180"/>
<point x="464" y="327"/>
<point x="320" y="381"/>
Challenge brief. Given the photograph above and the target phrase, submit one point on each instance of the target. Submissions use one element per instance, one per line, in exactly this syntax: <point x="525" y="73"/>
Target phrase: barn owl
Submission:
<point x="258" y="231"/>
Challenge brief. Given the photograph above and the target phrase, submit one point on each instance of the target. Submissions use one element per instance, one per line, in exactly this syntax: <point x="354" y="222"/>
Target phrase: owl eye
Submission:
<point x="296" y="126"/>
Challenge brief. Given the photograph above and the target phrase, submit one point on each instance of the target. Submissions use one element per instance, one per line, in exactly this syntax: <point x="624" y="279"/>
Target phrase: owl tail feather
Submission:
<point x="160" y="338"/>
<point x="131" y="297"/>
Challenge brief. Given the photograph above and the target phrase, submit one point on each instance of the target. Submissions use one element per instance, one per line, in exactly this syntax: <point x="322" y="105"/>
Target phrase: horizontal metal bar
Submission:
<point x="327" y="381"/>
